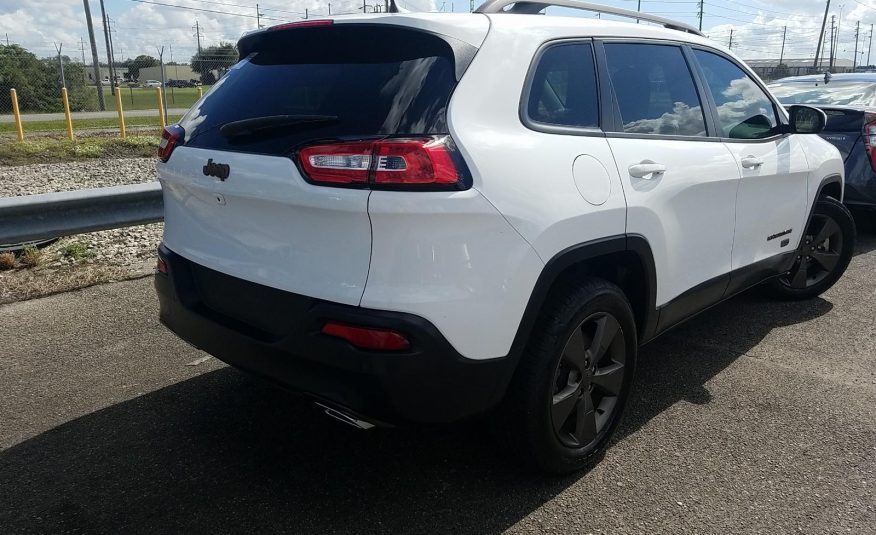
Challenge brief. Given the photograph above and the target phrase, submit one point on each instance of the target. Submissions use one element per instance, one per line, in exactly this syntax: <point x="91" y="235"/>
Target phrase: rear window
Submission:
<point x="833" y="94"/>
<point x="371" y="81"/>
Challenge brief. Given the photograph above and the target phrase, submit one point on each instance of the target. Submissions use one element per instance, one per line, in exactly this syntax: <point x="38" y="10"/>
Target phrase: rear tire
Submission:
<point x="570" y="388"/>
<point x="823" y="255"/>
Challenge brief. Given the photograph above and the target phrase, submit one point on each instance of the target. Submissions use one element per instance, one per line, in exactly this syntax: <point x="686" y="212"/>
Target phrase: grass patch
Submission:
<point x="48" y="150"/>
<point x="145" y="98"/>
<point x="83" y="124"/>
<point x="31" y="257"/>
<point x="7" y="260"/>
<point x="77" y="251"/>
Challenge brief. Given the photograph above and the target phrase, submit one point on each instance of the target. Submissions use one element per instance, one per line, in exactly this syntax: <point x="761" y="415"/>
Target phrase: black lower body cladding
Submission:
<point x="277" y="335"/>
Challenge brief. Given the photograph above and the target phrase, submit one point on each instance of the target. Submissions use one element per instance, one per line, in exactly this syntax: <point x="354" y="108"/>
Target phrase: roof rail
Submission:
<point x="534" y="6"/>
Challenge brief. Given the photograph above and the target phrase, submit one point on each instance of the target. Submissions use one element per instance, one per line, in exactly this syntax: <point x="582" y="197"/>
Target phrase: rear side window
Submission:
<point x="655" y="90"/>
<point x="345" y="81"/>
<point x="563" y="89"/>
<point x="744" y="110"/>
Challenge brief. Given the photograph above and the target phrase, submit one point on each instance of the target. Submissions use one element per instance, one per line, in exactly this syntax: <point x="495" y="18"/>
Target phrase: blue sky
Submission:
<point x="141" y="27"/>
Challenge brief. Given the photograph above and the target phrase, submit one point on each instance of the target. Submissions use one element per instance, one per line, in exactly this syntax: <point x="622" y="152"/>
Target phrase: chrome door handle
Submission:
<point x="750" y="162"/>
<point x="647" y="169"/>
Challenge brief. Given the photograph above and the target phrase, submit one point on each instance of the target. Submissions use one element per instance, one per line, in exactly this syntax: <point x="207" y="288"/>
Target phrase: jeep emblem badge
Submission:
<point x="219" y="170"/>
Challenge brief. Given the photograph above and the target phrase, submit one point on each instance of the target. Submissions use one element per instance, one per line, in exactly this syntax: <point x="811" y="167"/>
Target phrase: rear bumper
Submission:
<point x="428" y="383"/>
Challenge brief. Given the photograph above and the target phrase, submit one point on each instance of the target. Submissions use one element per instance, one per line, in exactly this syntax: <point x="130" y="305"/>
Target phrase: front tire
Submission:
<point x="823" y="255"/>
<point x="570" y="388"/>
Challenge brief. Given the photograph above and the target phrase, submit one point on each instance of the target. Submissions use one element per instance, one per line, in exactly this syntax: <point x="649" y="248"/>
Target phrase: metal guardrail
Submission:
<point x="52" y="215"/>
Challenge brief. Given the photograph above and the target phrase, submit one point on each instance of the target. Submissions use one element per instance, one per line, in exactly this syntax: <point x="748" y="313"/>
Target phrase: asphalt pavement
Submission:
<point x="755" y="417"/>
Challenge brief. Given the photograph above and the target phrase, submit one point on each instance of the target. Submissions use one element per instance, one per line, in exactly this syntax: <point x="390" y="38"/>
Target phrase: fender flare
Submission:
<point x="579" y="253"/>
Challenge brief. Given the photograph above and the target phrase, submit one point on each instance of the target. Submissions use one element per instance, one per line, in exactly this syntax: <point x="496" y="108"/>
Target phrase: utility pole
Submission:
<point x="782" y="54"/>
<point x="7" y="38"/>
<point x="855" y="58"/>
<point x="363" y="7"/>
<point x="82" y="49"/>
<point x="115" y="73"/>
<point x="471" y="6"/>
<point x="58" y="47"/>
<point x="198" y="35"/>
<point x="259" y="15"/>
<point x="870" y="46"/>
<point x="700" y="14"/>
<point x="832" y="43"/>
<point x="101" y="104"/>
<point x="820" y="37"/>
<point x="330" y="8"/>
<point x="109" y="54"/>
<point x="163" y="79"/>
<point x="730" y="44"/>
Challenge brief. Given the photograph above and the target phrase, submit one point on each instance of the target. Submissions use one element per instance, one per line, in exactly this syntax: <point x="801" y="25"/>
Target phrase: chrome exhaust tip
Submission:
<point x="347" y="418"/>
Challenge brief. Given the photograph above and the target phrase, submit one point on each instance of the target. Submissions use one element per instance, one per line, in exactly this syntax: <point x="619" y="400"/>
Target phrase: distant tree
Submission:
<point x="37" y="82"/>
<point x="214" y="58"/>
<point x="140" y="62"/>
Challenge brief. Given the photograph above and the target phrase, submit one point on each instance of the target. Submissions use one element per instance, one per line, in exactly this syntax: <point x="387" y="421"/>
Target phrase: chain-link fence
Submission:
<point x="149" y="90"/>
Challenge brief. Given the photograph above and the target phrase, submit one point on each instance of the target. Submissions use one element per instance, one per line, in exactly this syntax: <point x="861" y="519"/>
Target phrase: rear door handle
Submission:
<point x="750" y="162"/>
<point x="647" y="169"/>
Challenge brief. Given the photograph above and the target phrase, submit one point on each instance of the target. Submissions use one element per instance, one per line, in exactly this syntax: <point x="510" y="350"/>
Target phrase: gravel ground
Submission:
<point x="108" y="256"/>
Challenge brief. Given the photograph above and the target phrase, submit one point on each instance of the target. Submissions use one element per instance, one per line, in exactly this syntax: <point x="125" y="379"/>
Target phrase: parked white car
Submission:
<point x="152" y="83"/>
<point x="426" y="217"/>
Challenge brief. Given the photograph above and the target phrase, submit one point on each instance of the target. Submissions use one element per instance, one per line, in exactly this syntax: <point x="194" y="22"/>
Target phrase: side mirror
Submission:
<point x="806" y="119"/>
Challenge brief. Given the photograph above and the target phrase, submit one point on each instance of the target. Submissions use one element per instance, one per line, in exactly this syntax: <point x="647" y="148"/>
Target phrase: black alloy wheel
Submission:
<point x="818" y="255"/>
<point x="588" y="380"/>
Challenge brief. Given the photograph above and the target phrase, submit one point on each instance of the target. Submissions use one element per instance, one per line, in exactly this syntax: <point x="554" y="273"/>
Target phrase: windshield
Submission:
<point x="835" y="93"/>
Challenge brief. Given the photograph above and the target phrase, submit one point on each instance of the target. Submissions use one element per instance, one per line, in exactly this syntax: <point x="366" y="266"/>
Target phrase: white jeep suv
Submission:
<point x="427" y="217"/>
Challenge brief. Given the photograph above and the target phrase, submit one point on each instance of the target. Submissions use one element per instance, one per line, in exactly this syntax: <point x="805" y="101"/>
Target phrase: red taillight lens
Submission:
<point x="161" y="266"/>
<point x="367" y="337"/>
<point x="869" y="134"/>
<point x="301" y="24"/>
<point x="172" y="136"/>
<point x="417" y="162"/>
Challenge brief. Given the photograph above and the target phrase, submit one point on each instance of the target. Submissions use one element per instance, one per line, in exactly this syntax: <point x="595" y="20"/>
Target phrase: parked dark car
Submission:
<point x="849" y="100"/>
<point x="180" y="83"/>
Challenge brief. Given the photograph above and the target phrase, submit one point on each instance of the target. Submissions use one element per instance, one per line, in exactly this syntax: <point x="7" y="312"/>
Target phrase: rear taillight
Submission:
<point x="388" y="162"/>
<point x="869" y="133"/>
<point x="172" y="136"/>
<point x="367" y="337"/>
<point x="301" y="24"/>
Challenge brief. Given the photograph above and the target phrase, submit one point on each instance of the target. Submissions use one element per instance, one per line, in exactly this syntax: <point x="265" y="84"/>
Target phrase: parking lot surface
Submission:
<point x="755" y="417"/>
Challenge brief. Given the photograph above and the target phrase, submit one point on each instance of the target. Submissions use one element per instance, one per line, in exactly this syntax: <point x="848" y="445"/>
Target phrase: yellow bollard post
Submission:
<point x="18" y="128"/>
<point x="67" y="116"/>
<point x="200" y="93"/>
<point x="121" y="113"/>
<point x="161" y="116"/>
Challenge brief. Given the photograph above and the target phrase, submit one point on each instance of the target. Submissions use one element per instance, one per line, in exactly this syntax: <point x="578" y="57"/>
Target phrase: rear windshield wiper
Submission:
<point x="253" y="125"/>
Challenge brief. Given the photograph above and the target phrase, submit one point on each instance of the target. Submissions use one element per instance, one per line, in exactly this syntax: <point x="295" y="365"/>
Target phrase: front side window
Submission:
<point x="655" y="90"/>
<point x="563" y="90"/>
<point x="744" y="110"/>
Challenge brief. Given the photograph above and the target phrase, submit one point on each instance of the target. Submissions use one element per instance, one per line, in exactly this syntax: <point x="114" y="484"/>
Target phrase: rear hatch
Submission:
<point x="236" y="199"/>
<point x="844" y="128"/>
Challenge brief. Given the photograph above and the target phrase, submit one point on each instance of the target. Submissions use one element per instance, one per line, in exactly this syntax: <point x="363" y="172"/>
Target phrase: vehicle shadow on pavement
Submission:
<point x="224" y="452"/>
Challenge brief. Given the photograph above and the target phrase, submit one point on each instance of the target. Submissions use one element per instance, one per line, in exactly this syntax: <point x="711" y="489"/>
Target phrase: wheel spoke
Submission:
<point x="604" y="411"/>
<point x="585" y="421"/>
<point x="563" y="404"/>
<point x="826" y="259"/>
<point x="607" y="329"/>
<point x="800" y="274"/>
<point x="609" y="378"/>
<point x="575" y="352"/>
<point x="828" y="229"/>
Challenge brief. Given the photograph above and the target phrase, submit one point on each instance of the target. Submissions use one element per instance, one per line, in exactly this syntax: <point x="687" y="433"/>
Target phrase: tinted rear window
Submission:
<point x="377" y="81"/>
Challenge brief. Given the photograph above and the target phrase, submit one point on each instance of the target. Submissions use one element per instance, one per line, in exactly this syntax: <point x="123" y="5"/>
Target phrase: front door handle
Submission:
<point x="647" y="169"/>
<point x="750" y="162"/>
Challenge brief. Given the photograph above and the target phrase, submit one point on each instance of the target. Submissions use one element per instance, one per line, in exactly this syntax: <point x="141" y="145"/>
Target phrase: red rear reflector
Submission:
<point x="301" y="24"/>
<point x="161" y="266"/>
<point x="421" y="161"/>
<point x="172" y="136"/>
<point x="367" y="337"/>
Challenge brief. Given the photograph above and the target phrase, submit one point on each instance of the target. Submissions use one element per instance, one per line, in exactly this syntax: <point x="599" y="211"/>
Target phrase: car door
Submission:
<point x="680" y="182"/>
<point x="771" y="204"/>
